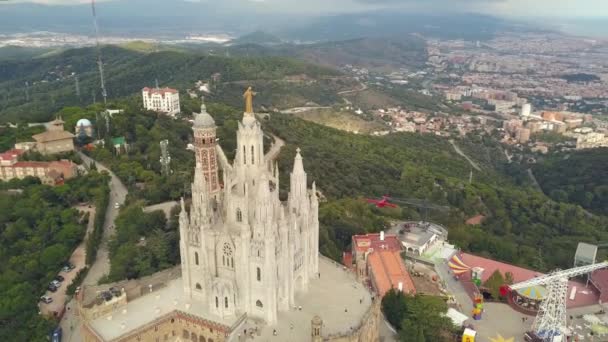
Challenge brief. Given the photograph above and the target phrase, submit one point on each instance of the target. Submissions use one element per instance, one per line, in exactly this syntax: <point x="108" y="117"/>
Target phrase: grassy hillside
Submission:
<point x="522" y="226"/>
<point x="52" y="84"/>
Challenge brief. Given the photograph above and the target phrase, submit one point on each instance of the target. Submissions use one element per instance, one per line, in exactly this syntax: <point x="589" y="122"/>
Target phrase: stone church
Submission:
<point x="250" y="263"/>
<point x="242" y="249"/>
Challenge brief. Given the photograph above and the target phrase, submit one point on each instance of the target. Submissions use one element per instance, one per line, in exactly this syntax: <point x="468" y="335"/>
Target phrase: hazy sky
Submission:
<point x="527" y="8"/>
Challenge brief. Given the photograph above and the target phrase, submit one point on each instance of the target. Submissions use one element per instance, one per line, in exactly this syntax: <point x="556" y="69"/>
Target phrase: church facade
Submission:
<point x="242" y="249"/>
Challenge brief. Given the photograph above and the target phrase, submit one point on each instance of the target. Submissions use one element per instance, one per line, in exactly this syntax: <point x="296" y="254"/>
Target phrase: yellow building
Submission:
<point x="55" y="139"/>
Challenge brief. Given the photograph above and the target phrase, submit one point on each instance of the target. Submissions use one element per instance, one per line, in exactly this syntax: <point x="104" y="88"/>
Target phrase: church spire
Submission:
<point x="298" y="166"/>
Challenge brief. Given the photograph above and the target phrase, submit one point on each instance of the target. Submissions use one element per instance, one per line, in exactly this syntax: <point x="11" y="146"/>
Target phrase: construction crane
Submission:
<point x="550" y="322"/>
<point x="99" y="61"/>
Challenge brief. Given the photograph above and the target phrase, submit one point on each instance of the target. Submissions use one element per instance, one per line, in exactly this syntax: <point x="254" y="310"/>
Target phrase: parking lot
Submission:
<point x="78" y="260"/>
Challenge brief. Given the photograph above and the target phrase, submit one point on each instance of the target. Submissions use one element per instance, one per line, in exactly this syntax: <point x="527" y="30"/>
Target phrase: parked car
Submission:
<point x="68" y="267"/>
<point x="52" y="288"/>
<point x="56" y="283"/>
<point x="59" y="278"/>
<point x="56" y="335"/>
<point x="46" y="299"/>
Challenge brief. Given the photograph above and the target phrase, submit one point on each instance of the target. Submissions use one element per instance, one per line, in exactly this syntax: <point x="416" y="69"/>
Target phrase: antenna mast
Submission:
<point x="99" y="61"/>
<point x="165" y="158"/>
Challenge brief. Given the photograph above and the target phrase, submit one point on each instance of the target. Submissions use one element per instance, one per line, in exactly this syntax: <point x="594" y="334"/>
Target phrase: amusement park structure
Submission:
<point x="550" y="322"/>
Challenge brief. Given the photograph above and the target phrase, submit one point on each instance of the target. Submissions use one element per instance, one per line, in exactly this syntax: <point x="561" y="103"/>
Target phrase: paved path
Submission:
<point x="275" y="149"/>
<point x="296" y="110"/>
<point x="118" y="192"/>
<point x="459" y="151"/>
<point x="165" y="207"/>
<point x="363" y="87"/>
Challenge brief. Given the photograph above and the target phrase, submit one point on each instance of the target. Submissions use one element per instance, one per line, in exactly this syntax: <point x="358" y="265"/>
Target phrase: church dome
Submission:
<point x="84" y="122"/>
<point x="203" y="120"/>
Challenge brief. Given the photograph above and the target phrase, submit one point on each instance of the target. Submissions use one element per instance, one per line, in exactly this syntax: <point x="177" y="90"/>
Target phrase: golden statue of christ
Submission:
<point x="248" y="96"/>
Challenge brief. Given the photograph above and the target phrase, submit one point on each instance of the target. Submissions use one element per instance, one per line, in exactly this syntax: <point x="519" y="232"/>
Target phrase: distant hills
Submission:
<point x="162" y="19"/>
<point x="280" y="82"/>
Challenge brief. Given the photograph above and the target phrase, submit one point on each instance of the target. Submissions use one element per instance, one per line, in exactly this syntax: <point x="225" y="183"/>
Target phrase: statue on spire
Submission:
<point x="248" y="96"/>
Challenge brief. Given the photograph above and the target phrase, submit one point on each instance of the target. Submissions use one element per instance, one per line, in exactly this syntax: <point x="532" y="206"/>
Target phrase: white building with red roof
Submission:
<point x="164" y="100"/>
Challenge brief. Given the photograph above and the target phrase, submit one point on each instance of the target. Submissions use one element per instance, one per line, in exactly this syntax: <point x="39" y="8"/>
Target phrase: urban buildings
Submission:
<point x="250" y="264"/>
<point x="163" y="100"/>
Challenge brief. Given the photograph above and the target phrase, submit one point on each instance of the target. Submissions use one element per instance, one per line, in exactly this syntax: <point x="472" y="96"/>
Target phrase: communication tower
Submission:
<point x="27" y="91"/>
<point x="165" y="158"/>
<point x="99" y="61"/>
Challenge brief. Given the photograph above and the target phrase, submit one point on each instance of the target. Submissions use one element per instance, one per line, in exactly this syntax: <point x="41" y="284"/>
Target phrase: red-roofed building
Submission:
<point x="584" y="295"/>
<point x="10" y="157"/>
<point x="363" y="245"/>
<point x="475" y="220"/>
<point x="48" y="172"/>
<point x="599" y="279"/>
<point x="387" y="271"/>
<point x="164" y="100"/>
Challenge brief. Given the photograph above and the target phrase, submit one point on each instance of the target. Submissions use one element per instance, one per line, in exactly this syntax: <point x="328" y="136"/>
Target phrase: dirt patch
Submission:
<point x="426" y="280"/>
<point x="341" y="120"/>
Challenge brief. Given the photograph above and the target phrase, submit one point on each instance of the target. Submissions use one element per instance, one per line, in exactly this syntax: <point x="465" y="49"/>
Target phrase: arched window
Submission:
<point x="201" y="339"/>
<point x="196" y="258"/>
<point x="185" y="334"/>
<point x="259" y="274"/>
<point x="198" y="286"/>
<point x="244" y="155"/>
<point x="226" y="302"/>
<point x="259" y="304"/>
<point x="193" y="337"/>
<point x="228" y="255"/>
<point x="210" y="340"/>
<point x="217" y="302"/>
<point x="252" y="155"/>
<point x="239" y="215"/>
<point x="224" y="260"/>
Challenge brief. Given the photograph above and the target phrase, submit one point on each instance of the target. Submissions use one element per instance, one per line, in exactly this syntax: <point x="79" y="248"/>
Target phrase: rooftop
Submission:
<point x="160" y="90"/>
<point x="586" y="252"/>
<point x="52" y="136"/>
<point x="10" y="154"/>
<point x="362" y="243"/>
<point x="149" y="307"/>
<point x="388" y="271"/>
<point x="335" y="285"/>
<point x="584" y="295"/>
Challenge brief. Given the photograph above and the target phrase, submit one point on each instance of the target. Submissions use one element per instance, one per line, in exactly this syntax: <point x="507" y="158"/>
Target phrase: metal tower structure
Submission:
<point x="165" y="158"/>
<point x="99" y="61"/>
<point x="27" y="91"/>
<point x="77" y="85"/>
<point x="551" y="319"/>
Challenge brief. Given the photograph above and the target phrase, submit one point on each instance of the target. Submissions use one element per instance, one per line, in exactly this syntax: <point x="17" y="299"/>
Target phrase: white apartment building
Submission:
<point x="164" y="100"/>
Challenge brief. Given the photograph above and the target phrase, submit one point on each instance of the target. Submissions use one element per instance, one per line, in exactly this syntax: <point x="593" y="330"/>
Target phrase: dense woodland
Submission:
<point x="52" y="84"/>
<point x="418" y="318"/>
<point x="578" y="177"/>
<point x="39" y="229"/>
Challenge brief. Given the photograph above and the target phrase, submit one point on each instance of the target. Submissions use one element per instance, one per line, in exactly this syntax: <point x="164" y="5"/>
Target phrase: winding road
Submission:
<point x="459" y="151"/>
<point x="70" y="323"/>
